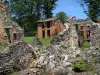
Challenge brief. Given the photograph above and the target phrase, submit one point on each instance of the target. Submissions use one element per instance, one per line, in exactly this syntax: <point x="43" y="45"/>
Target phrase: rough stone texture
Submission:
<point x="8" y="28"/>
<point x="62" y="51"/>
<point x="36" y="42"/>
<point x="17" y="58"/>
<point x="37" y="46"/>
<point x="92" y="55"/>
<point x="2" y="20"/>
<point x="95" y="35"/>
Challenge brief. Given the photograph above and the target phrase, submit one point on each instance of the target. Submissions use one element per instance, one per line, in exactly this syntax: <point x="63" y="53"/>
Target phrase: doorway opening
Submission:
<point x="15" y="36"/>
<point x="43" y="34"/>
<point x="8" y="34"/>
<point x="48" y="33"/>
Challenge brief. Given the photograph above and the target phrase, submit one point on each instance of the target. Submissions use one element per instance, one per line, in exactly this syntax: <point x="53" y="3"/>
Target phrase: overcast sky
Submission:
<point x="71" y="8"/>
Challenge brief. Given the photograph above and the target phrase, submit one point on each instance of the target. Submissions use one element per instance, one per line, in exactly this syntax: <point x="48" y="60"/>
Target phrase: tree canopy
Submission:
<point x="27" y="12"/>
<point x="93" y="7"/>
<point x="62" y="16"/>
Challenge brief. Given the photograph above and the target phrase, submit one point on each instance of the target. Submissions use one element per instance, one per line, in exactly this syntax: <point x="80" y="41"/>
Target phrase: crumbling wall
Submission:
<point x="62" y="51"/>
<point x="95" y="35"/>
<point x="2" y="23"/>
<point x="2" y="31"/>
<point x="17" y="58"/>
<point x="92" y="55"/>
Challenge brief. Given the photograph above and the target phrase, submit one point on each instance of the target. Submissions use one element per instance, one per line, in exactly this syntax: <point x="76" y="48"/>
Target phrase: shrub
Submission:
<point x="79" y="66"/>
<point x="45" y="41"/>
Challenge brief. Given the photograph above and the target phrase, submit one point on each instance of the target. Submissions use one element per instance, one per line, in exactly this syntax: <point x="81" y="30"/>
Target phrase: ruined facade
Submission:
<point x="10" y="31"/>
<point x="49" y="27"/>
<point x="83" y="28"/>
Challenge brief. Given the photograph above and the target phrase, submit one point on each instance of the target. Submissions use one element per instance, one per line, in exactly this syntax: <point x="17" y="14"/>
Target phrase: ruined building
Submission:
<point x="10" y="31"/>
<point x="83" y="28"/>
<point x="49" y="27"/>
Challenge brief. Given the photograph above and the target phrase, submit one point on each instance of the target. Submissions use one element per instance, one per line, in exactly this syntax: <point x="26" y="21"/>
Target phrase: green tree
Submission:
<point x="48" y="6"/>
<point x="27" y="12"/>
<point x="62" y="16"/>
<point x="93" y="7"/>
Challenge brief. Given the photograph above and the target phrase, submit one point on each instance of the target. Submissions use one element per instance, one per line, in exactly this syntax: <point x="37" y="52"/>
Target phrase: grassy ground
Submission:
<point x="44" y="41"/>
<point x="28" y="39"/>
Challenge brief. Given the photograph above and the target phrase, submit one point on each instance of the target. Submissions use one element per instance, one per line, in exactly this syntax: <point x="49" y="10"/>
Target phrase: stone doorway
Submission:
<point x="8" y="34"/>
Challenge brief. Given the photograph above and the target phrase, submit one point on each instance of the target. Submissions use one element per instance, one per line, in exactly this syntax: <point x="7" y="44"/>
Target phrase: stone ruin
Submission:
<point x="17" y="58"/>
<point x="10" y="31"/>
<point x="55" y="59"/>
<point x="28" y="58"/>
<point x="95" y="35"/>
<point x="62" y="51"/>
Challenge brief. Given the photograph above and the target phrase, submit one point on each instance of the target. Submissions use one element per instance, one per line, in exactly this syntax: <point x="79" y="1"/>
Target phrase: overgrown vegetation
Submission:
<point x="83" y="66"/>
<point x="4" y="47"/>
<point x="79" y="65"/>
<point x="45" y="41"/>
<point x="86" y="44"/>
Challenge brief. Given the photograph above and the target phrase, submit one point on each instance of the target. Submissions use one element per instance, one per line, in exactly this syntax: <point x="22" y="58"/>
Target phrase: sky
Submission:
<point x="70" y="7"/>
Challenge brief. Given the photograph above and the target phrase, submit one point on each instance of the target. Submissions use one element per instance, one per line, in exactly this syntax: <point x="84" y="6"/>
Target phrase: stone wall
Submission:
<point x="3" y="16"/>
<point x="95" y="35"/>
<point x="2" y="32"/>
<point x="92" y="55"/>
<point x="62" y="50"/>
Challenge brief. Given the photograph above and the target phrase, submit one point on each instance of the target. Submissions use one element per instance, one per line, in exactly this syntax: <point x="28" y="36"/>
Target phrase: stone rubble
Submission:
<point x="62" y="50"/>
<point x="17" y="58"/>
<point x="92" y="55"/>
<point x="57" y="57"/>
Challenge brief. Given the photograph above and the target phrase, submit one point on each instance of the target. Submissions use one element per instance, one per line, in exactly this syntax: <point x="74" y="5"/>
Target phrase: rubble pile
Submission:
<point x="17" y="58"/>
<point x="56" y="58"/>
<point x="62" y="51"/>
<point x="92" y="55"/>
<point x="37" y="46"/>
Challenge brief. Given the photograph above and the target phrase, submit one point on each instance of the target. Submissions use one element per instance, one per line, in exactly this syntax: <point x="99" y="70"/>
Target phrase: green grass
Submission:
<point x="86" y="45"/>
<point x="45" y="41"/>
<point x="28" y="39"/>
